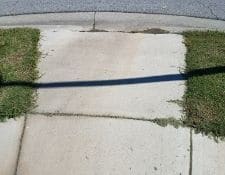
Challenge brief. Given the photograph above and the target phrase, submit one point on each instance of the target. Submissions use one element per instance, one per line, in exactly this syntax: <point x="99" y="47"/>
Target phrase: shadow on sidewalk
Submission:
<point x="118" y="82"/>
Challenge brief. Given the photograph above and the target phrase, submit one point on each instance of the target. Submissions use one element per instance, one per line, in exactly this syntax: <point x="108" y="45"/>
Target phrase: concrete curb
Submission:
<point x="110" y="21"/>
<point x="132" y="22"/>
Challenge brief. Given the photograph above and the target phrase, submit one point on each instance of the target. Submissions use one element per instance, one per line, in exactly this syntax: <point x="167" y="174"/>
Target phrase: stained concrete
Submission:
<point x="208" y="156"/>
<point x="84" y="145"/>
<point x="134" y="75"/>
<point x="10" y="135"/>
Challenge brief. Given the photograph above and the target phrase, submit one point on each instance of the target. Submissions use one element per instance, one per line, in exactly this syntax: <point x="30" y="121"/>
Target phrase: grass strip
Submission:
<point x="205" y="94"/>
<point x="18" y="60"/>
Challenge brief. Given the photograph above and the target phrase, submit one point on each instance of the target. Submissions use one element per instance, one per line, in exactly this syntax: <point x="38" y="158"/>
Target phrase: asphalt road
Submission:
<point x="214" y="9"/>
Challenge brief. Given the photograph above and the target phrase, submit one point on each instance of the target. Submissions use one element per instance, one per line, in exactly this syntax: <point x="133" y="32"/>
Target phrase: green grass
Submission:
<point x="205" y="94"/>
<point x="18" y="60"/>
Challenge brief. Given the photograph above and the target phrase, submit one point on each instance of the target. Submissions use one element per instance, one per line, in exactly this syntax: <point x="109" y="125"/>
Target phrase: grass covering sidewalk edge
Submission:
<point x="19" y="56"/>
<point x="204" y="99"/>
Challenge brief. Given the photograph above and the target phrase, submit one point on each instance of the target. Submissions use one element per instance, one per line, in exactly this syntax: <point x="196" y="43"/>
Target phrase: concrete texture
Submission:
<point x="198" y="8"/>
<point x="111" y="22"/>
<point x="132" y="75"/>
<point x="83" y="145"/>
<point x="10" y="135"/>
<point x="208" y="156"/>
<point x="137" y="22"/>
<point x="78" y="21"/>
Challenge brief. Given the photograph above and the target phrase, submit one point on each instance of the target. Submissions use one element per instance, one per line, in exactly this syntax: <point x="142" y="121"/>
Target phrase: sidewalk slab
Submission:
<point x="137" y="22"/>
<point x="10" y="135"/>
<point x="86" y="145"/>
<point x="117" y="74"/>
<point x="75" y="21"/>
<point x="208" y="156"/>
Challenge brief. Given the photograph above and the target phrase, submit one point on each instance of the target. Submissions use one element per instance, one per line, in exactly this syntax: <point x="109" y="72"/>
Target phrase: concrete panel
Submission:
<point x="134" y="75"/>
<point x="10" y="135"/>
<point x="208" y="156"/>
<point x="83" y="145"/>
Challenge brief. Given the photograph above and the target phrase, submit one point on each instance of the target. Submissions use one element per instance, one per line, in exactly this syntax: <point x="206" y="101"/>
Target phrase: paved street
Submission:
<point x="214" y="9"/>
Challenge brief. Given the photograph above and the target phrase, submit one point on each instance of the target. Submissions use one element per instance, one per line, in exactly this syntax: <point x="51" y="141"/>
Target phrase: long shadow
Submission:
<point x="206" y="71"/>
<point x="118" y="82"/>
<point x="114" y="82"/>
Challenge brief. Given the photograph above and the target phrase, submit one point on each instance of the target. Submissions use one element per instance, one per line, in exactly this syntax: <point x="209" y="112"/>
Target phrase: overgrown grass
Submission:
<point x="205" y="95"/>
<point x="18" y="59"/>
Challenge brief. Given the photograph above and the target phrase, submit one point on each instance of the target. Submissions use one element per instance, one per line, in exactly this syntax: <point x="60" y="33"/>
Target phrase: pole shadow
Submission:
<point x="117" y="82"/>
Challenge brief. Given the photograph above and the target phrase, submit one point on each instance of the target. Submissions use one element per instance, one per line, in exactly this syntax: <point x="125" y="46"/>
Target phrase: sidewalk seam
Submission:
<point x="20" y="145"/>
<point x="90" y="115"/>
<point x="191" y="153"/>
<point x="94" y="21"/>
<point x="176" y="123"/>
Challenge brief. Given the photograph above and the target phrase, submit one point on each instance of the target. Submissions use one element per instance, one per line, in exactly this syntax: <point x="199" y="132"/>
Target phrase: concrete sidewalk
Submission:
<point x="99" y="95"/>
<point x="113" y="74"/>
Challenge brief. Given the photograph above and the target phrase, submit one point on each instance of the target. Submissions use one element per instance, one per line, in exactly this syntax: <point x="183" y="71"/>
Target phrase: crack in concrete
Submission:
<point x="94" y="21"/>
<point x="163" y="122"/>
<point x="20" y="145"/>
<point x="144" y="31"/>
<point x="207" y="7"/>
<point x="191" y="153"/>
